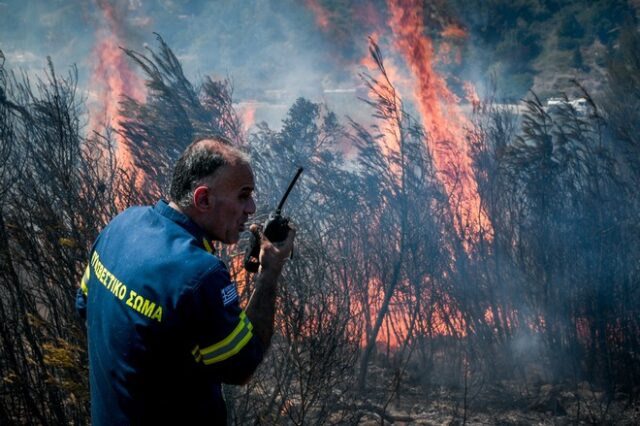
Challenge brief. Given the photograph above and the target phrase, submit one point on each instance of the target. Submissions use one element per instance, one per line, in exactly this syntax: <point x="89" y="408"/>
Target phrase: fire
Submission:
<point x="444" y="53"/>
<point x="441" y="115"/>
<point x="454" y="31"/>
<point x="447" y="129"/>
<point x="399" y="324"/>
<point x="449" y="49"/>
<point x="112" y="78"/>
<point x="247" y="112"/>
<point x="389" y="144"/>
<point x="444" y="121"/>
<point x="472" y="95"/>
<point x="398" y="81"/>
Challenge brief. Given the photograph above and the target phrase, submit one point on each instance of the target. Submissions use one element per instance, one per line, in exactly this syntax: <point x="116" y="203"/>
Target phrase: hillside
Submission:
<point x="541" y="44"/>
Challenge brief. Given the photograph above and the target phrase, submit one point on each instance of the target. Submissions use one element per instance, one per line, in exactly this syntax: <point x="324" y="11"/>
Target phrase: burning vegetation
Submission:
<point x="112" y="75"/>
<point x="458" y="268"/>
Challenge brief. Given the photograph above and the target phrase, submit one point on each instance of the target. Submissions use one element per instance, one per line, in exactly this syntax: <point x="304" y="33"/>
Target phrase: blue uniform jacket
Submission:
<point x="163" y="320"/>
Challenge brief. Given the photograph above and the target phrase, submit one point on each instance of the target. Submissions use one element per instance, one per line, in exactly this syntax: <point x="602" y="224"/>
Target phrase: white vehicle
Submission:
<point x="578" y="104"/>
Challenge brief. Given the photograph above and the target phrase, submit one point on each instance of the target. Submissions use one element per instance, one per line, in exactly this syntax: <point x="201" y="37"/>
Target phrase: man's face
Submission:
<point x="230" y="203"/>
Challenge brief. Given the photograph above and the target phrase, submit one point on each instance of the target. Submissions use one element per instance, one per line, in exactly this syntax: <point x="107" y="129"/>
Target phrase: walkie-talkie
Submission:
<point x="276" y="228"/>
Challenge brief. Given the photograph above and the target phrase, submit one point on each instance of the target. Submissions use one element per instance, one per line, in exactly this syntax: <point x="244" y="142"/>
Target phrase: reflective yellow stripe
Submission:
<point x="85" y="280"/>
<point x="227" y="339"/>
<point x="207" y="246"/>
<point x="232" y="352"/>
<point x="196" y="353"/>
<point x="231" y="345"/>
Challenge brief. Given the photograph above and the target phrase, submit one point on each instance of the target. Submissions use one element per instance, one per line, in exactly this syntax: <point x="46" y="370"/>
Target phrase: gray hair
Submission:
<point x="201" y="159"/>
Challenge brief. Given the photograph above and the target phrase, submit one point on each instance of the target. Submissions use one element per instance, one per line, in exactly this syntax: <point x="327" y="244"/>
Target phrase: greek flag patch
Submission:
<point x="229" y="293"/>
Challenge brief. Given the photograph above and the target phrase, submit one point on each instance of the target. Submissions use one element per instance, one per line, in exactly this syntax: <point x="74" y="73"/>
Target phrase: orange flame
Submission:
<point x="247" y="112"/>
<point x="390" y="142"/>
<point x="443" y="120"/>
<point x="444" y="53"/>
<point x="454" y="31"/>
<point x="446" y="126"/>
<point x="472" y="95"/>
<point x="112" y="78"/>
<point x="399" y="325"/>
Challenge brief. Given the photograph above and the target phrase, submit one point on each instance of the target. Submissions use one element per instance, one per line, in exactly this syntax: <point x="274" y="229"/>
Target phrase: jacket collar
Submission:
<point x="162" y="208"/>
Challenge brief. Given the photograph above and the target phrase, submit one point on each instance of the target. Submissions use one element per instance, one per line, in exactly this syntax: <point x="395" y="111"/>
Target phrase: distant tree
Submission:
<point x="569" y="27"/>
<point x="621" y="100"/>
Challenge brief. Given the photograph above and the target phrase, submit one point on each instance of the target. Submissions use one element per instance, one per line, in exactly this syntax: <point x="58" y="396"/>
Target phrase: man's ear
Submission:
<point x="201" y="198"/>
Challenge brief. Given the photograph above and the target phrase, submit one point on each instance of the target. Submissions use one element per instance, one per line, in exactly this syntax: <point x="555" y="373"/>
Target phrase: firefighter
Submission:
<point x="164" y="325"/>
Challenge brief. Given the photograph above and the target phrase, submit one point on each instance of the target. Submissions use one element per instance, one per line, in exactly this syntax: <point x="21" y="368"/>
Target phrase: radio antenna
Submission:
<point x="286" y="194"/>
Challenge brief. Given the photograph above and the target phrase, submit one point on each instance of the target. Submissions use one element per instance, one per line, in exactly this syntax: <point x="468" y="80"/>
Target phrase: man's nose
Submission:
<point x="250" y="207"/>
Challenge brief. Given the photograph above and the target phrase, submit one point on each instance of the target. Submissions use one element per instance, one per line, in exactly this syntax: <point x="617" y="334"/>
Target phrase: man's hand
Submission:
<point x="273" y="256"/>
<point x="261" y="307"/>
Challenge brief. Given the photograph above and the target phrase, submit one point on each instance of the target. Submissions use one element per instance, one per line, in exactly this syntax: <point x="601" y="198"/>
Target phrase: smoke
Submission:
<point x="31" y="31"/>
<point x="403" y="35"/>
<point x="441" y="115"/>
<point x="277" y="51"/>
<point x="322" y="18"/>
<point x="273" y="50"/>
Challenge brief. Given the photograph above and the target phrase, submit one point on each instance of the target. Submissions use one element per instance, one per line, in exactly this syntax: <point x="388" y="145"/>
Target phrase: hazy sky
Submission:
<point x="273" y="50"/>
